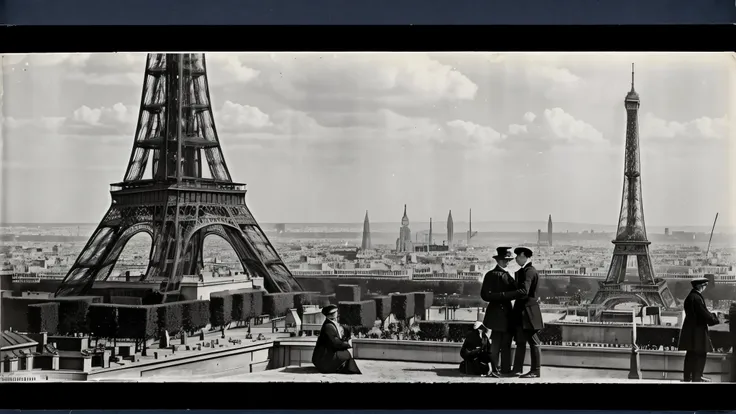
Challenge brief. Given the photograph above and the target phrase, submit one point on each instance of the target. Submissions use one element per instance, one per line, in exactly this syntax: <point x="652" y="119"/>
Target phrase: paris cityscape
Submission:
<point x="363" y="176"/>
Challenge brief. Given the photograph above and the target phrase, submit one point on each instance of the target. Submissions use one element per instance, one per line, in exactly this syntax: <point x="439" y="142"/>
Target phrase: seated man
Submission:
<point x="331" y="355"/>
<point x="476" y="352"/>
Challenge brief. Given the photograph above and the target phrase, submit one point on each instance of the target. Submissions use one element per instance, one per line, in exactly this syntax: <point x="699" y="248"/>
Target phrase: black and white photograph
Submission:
<point x="368" y="217"/>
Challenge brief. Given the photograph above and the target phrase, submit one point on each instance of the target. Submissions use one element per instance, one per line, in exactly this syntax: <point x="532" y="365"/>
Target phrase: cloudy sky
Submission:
<point x="324" y="137"/>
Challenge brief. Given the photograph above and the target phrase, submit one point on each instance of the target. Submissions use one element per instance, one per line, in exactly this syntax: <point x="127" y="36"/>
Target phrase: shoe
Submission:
<point x="703" y="379"/>
<point x="494" y="374"/>
<point x="530" y="374"/>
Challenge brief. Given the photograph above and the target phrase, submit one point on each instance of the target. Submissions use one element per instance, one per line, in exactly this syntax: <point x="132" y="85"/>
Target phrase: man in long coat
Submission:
<point x="476" y="352"/>
<point x="527" y="316"/>
<point x="331" y="355"/>
<point x="498" y="313"/>
<point x="694" y="337"/>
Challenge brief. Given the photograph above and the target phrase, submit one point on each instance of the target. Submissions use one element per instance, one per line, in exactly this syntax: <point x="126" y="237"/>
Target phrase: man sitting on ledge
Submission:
<point x="331" y="355"/>
<point x="476" y="352"/>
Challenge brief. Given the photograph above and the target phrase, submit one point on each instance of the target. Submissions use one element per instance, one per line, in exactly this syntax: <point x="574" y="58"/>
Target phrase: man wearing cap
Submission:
<point x="331" y="355"/>
<point x="476" y="352"/>
<point x="527" y="316"/>
<point x="498" y="313"/>
<point x="694" y="337"/>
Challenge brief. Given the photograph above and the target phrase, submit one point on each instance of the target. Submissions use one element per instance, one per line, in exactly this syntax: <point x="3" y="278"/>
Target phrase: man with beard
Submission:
<point x="498" y="313"/>
<point x="331" y="355"/>
<point x="694" y="337"/>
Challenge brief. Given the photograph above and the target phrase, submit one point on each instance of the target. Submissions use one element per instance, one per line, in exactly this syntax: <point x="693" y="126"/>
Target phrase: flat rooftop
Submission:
<point x="399" y="371"/>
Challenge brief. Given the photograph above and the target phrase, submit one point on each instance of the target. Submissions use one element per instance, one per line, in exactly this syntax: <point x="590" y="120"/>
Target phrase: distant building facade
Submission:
<point x="403" y="243"/>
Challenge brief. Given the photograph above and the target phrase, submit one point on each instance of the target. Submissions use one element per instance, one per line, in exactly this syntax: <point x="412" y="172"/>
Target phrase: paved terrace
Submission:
<point x="399" y="371"/>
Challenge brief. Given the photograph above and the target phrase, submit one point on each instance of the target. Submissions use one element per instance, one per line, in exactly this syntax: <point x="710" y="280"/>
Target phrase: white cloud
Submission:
<point x="234" y="116"/>
<point x="228" y="68"/>
<point x="653" y="127"/>
<point x="557" y="126"/>
<point x="549" y="73"/>
<point x="118" y="114"/>
<point x="39" y="124"/>
<point x="46" y="59"/>
<point x="482" y="136"/>
<point x="387" y="77"/>
<point x="127" y="69"/>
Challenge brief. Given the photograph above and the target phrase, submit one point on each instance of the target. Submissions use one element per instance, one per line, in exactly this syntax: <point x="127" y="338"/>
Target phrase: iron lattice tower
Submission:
<point x="177" y="206"/>
<point x="631" y="235"/>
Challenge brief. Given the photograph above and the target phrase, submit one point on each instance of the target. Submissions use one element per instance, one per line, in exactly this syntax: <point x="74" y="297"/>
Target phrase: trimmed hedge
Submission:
<point x="139" y="322"/>
<point x="551" y="334"/>
<point x="170" y="317"/>
<point x="221" y="308"/>
<point x="383" y="307"/>
<point x="422" y="303"/>
<point x="458" y="330"/>
<point x="402" y="305"/>
<point x="126" y="300"/>
<point x="247" y="304"/>
<point x="357" y="314"/>
<point x="324" y="300"/>
<point x="278" y="304"/>
<point x="656" y="336"/>
<point x="43" y="317"/>
<point x="195" y="315"/>
<point x="433" y="330"/>
<point x="72" y="315"/>
<point x="347" y="293"/>
<point x="302" y="299"/>
<point x="103" y="320"/>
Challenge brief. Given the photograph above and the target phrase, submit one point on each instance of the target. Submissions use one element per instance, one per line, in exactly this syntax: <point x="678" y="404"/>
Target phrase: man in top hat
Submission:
<point x="476" y="352"/>
<point x="694" y="337"/>
<point x="331" y="355"/>
<point x="527" y="316"/>
<point x="499" y="311"/>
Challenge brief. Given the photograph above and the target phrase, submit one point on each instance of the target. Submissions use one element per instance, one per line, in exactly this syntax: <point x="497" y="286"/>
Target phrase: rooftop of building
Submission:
<point x="411" y="372"/>
<point x="9" y="340"/>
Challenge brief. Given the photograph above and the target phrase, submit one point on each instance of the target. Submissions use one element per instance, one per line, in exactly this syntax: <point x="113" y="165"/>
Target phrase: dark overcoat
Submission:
<point x="331" y="353"/>
<point x="526" y="313"/>
<point x="498" y="313"/>
<point x="694" y="332"/>
<point x="475" y="352"/>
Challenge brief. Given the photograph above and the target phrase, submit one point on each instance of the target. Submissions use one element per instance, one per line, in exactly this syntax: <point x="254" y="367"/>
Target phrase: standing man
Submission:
<point x="694" y="337"/>
<point x="498" y="313"/>
<point x="527" y="316"/>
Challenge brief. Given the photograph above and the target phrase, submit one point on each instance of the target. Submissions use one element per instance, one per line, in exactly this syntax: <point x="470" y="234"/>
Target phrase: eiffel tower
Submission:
<point x="177" y="206"/>
<point x="631" y="237"/>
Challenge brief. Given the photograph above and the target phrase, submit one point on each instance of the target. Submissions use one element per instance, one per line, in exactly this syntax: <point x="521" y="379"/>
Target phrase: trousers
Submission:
<point x="694" y="366"/>
<point x="524" y="337"/>
<point x="501" y="345"/>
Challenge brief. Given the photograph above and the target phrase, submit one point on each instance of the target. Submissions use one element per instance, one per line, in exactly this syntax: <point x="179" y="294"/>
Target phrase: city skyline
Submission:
<point x="438" y="132"/>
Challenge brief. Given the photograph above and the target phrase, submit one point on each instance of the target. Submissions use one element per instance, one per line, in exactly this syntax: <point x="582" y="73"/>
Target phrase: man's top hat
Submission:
<point x="503" y="253"/>
<point x="699" y="281"/>
<point x="329" y="309"/>
<point x="524" y="250"/>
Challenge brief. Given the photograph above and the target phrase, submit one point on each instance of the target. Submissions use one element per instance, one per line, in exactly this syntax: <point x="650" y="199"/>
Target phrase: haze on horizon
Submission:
<point x="321" y="138"/>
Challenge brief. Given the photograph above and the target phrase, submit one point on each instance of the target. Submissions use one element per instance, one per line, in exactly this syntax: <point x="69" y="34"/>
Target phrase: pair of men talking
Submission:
<point x="513" y="313"/>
